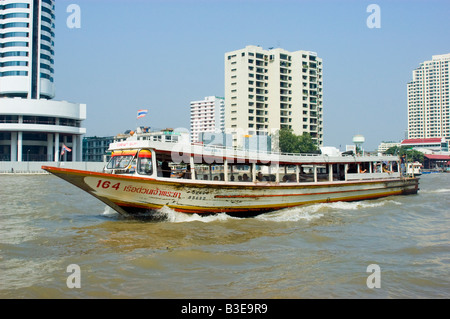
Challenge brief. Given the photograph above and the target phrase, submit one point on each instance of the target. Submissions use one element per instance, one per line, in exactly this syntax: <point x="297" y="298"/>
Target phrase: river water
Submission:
<point x="317" y="251"/>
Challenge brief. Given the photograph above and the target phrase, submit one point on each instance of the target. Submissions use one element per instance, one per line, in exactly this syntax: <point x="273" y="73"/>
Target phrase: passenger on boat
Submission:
<point x="386" y="170"/>
<point x="187" y="173"/>
<point x="260" y="177"/>
<point x="245" y="178"/>
<point x="165" y="168"/>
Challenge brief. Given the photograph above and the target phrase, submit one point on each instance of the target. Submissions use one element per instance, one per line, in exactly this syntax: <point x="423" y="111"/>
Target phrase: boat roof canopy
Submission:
<point x="180" y="153"/>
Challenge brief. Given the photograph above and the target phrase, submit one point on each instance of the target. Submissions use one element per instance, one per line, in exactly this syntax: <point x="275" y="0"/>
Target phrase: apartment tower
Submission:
<point x="207" y="116"/>
<point x="268" y="90"/>
<point x="32" y="126"/>
<point x="429" y="99"/>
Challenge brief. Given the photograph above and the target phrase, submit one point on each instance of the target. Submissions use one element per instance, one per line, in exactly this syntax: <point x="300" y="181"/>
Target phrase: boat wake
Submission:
<point x="169" y="215"/>
<point x="109" y="212"/>
<point x="317" y="211"/>
<point x="441" y="190"/>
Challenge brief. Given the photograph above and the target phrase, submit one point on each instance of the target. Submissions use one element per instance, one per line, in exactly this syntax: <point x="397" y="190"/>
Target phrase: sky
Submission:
<point x="161" y="55"/>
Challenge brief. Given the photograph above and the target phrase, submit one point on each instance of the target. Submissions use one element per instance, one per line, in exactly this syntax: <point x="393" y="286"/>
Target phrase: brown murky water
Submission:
<point x="318" y="251"/>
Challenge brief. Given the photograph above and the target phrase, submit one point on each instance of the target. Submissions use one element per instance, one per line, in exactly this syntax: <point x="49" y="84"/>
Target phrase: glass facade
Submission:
<point x="27" y="47"/>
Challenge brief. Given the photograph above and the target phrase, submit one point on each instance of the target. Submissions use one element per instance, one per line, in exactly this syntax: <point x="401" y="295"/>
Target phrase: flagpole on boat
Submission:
<point x="140" y="114"/>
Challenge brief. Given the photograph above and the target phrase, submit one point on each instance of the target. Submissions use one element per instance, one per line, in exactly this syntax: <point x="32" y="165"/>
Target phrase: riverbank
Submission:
<point x="34" y="168"/>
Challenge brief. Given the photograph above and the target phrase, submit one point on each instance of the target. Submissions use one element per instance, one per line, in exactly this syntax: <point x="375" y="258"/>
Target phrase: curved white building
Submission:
<point x="33" y="128"/>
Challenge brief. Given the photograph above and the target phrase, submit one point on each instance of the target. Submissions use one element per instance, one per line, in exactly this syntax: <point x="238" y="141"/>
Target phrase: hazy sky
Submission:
<point x="161" y="55"/>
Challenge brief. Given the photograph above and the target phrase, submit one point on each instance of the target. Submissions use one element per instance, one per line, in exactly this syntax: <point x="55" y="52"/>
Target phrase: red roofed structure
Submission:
<point x="432" y="161"/>
<point x="435" y="140"/>
<point x="435" y="144"/>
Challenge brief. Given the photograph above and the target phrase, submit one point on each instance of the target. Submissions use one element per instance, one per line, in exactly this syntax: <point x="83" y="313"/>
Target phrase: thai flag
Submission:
<point x="141" y="113"/>
<point x="64" y="149"/>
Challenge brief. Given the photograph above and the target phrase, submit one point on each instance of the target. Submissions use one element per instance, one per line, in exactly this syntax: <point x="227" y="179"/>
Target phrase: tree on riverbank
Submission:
<point x="288" y="142"/>
<point x="411" y="154"/>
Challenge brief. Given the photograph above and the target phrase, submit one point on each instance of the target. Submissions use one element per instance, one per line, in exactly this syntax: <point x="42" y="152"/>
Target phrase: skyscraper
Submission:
<point x="429" y="99"/>
<point x="207" y="116"/>
<point x="27" y="49"/>
<point x="267" y="90"/>
<point x="32" y="127"/>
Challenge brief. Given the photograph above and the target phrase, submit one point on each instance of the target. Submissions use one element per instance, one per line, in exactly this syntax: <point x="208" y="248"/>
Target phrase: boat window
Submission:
<point x="265" y="173"/>
<point x="287" y="174"/>
<point x="306" y="173"/>
<point x="145" y="166"/>
<point x="121" y="160"/>
<point x="204" y="172"/>
<point x="164" y="164"/>
<point x="395" y="167"/>
<point x="239" y="173"/>
<point x="352" y="168"/>
<point x="217" y="173"/>
<point x="339" y="172"/>
<point x="376" y="168"/>
<point x="322" y="173"/>
<point x="185" y="171"/>
<point x="364" y="167"/>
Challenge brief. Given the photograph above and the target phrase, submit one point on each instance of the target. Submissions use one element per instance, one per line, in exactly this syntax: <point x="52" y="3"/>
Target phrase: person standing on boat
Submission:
<point x="403" y="164"/>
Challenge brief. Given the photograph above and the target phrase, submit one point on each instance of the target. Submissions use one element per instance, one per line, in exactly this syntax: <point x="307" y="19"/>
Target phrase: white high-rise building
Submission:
<point x="207" y="116"/>
<point x="267" y="90"/>
<point x="429" y="99"/>
<point x="33" y="128"/>
<point x="27" y="37"/>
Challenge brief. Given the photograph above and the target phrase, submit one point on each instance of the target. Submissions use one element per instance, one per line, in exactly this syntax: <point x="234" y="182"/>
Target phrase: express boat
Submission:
<point x="151" y="170"/>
